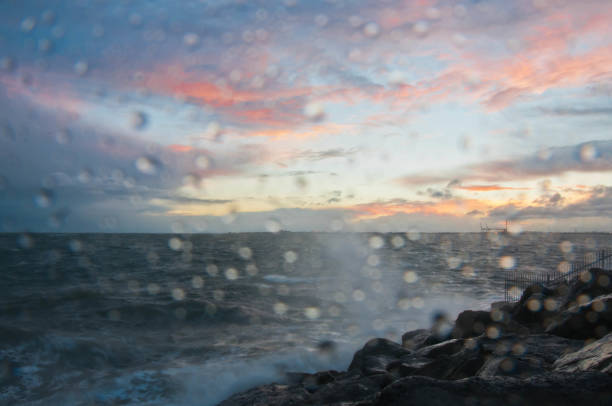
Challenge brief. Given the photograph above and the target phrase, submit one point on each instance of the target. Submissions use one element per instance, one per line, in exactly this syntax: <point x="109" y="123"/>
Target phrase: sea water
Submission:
<point x="152" y="319"/>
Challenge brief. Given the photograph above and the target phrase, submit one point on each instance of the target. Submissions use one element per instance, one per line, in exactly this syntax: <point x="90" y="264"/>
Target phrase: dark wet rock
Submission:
<point x="592" y="319"/>
<point x="375" y="355"/>
<point x="534" y="308"/>
<point x="415" y="339"/>
<point x="596" y="356"/>
<point x="497" y="357"/>
<point x="593" y="283"/>
<point x="541" y="390"/>
<point x="268" y="395"/>
<point x="471" y="323"/>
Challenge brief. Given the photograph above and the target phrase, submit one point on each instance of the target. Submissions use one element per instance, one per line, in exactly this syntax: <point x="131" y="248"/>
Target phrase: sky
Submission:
<point x="330" y="115"/>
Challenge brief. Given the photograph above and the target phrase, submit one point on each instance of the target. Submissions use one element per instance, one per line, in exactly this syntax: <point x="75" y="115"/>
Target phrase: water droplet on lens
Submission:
<point x="147" y="165"/>
<point x="175" y="244"/>
<point x="312" y="313"/>
<point x="273" y="226"/>
<point x="85" y="176"/>
<point x="507" y="262"/>
<point x="231" y="274"/>
<point x="191" y="39"/>
<point x="321" y="20"/>
<point x="421" y="28"/>
<point x="197" y="282"/>
<point x="139" y="120"/>
<point x="27" y="24"/>
<point x="245" y="252"/>
<point x="44" y="198"/>
<point x="290" y="257"/>
<point x="7" y="64"/>
<point x="587" y="153"/>
<point x="81" y="67"/>
<point x="410" y="277"/>
<point x="314" y="111"/>
<point x="566" y="247"/>
<point x="376" y="242"/>
<point x="202" y="162"/>
<point x="371" y="30"/>
<point x="178" y="294"/>
<point x="25" y="241"/>
<point x="75" y="245"/>
<point x="280" y="308"/>
<point x="63" y="137"/>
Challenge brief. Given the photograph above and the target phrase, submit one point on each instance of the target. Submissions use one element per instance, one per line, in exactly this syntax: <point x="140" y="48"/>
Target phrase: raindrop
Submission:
<point x="153" y="288"/>
<point x="280" y="308"/>
<point x="235" y="76"/>
<point x="355" y="21"/>
<point x="534" y="305"/>
<point x="202" y="162"/>
<point x="290" y="257"/>
<point x="231" y="274"/>
<point x="245" y="252"/>
<point x="135" y="19"/>
<point x="25" y="241"/>
<point x="85" y="176"/>
<point x="453" y="262"/>
<point x="314" y="111"/>
<point x="587" y="153"/>
<point x="321" y="20"/>
<point x="371" y="30"/>
<point x="28" y="24"/>
<point x="139" y="120"/>
<point x="397" y="241"/>
<point x="410" y="277"/>
<point x="251" y="269"/>
<point x="413" y="235"/>
<point x="81" y="67"/>
<point x="564" y="267"/>
<point x="58" y="32"/>
<point x="44" y="45"/>
<point x="191" y="39"/>
<point x="418" y="302"/>
<point x="358" y="295"/>
<point x="44" y="198"/>
<point x="373" y="260"/>
<point x="175" y="244"/>
<point x="421" y="28"/>
<point x="7" y="64"/>
<point x="566" y="247"/>
<point x="48" y="16"/>
<point x="75" y="245"/>
<point x="178" y="294"/>
<point x="273" y="226"/>
<point x="376" y="242"/>
<point x="312" y="313"/>
<point x="212" y="270"/>
<point x="507" y="262"/>
<point x="147" y="165"/>
<point x="396" y="78"/>
<point x="63" y="137"/>
<point x="213" y="131"/>
<point x="197" y="282"/>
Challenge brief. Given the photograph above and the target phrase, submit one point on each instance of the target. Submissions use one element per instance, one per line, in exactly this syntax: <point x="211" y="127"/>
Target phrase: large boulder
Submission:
<point x="590" y="284"/>
<point x="542" y="390"/>
<point x="375" y="355"/>
<point x="537" y="307"/>
<point x="591" y="320"/>
<point x="596" y="356"/>
<point x="471" y="323"/>
<point x="415" y="339"/>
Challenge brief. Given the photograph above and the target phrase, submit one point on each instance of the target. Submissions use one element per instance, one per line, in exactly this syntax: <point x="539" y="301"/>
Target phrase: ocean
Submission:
<point x="153" y="319"/>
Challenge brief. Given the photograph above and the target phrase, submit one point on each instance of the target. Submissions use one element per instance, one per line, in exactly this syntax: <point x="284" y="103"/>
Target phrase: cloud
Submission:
<point x="592" y="156"/>
<point x="574" y="111"/>
<point x="488" y="188"/>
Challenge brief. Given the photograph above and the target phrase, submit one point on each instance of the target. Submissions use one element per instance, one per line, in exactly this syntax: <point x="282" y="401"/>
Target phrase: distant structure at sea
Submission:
<point x="487" y="229"/>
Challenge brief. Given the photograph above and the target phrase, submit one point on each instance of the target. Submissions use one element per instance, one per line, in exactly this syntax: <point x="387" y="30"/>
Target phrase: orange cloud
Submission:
<point x="489" y="188"/>
<point x="180" y="148"/>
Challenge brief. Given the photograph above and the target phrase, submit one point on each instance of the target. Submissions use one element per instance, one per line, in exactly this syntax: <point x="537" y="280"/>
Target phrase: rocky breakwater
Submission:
<point x="553" y="347"/>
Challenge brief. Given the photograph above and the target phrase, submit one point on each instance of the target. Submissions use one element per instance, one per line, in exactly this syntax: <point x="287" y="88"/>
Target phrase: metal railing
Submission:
<point x="515" y="281"/>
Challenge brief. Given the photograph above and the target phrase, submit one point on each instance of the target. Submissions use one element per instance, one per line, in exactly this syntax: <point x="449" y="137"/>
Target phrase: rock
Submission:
<point x="415" y="339"/>
<point x="590" y="284"/>
<point x="596" y="356"/>
<point x="537" y="307"/>
<point x="592" y="319"/>
<point x="269" y="395"/>
<point x="543" y="390"/>
<point x="471" y="323"/>
<point x="375" y="355"/>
